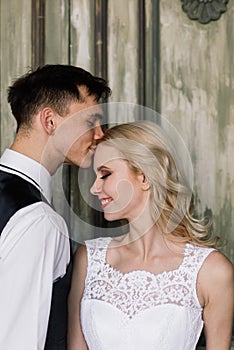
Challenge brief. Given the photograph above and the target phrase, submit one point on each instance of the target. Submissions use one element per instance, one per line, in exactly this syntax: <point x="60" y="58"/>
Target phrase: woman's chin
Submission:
<point x="111" y="216"/>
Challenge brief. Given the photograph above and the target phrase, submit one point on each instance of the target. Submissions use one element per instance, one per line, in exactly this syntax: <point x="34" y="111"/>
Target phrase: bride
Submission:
<point x="159" y="285"/>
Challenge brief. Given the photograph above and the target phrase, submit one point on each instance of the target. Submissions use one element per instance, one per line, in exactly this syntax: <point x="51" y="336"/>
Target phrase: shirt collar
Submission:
<point x="28" y="169"/>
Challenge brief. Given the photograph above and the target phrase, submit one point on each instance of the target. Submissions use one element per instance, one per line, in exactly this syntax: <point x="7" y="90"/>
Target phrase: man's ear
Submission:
<point x="48" y="120"/>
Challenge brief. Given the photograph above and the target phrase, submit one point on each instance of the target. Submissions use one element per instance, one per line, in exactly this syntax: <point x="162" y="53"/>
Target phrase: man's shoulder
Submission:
<point x="39" y="214"/>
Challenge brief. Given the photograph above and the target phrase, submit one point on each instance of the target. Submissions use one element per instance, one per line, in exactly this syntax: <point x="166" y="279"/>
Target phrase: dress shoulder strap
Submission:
<point x="96" y="251"/>
<point x="195" y="257"/>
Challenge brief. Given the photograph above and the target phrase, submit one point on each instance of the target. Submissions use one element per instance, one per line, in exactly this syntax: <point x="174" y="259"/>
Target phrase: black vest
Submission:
<point x="17" y="193"/>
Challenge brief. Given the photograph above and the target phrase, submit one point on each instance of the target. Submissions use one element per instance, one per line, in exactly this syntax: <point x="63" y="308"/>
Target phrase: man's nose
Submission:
<point x="98" y="133"/>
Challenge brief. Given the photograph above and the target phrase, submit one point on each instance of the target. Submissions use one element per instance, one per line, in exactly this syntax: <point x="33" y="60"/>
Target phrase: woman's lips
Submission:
<point x="105" y="201"/>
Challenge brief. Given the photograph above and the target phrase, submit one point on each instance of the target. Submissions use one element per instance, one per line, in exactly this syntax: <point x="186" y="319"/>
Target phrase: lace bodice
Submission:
<point x="140" y="298"/>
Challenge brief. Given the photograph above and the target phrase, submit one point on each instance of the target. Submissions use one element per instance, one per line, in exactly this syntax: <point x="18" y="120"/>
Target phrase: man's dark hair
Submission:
<point x="54" y="86"/>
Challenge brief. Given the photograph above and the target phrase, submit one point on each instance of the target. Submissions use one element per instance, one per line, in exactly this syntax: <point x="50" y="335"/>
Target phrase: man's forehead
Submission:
<point x="94" y="112"/>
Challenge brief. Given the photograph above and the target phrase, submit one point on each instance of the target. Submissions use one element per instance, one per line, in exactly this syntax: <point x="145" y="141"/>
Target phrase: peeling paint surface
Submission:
<point x="82" y="28"/>
<point x="122" y="50"/>
<point x="15" y="46"/>
<point x="197" y="72"/>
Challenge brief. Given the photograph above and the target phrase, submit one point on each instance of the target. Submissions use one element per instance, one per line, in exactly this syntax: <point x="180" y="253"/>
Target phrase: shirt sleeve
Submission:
<point x="34" y="251"/>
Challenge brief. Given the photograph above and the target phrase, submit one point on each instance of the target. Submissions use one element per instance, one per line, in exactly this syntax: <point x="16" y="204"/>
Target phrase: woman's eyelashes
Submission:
<point x="105" y="175"/>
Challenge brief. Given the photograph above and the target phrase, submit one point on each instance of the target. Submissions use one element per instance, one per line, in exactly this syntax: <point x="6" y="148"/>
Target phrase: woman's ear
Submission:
<point x="145" y="183"/>
<point x="48" y="120"/>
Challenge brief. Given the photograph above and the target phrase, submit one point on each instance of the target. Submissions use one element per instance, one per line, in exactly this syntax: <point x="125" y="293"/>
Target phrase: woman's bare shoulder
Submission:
<point x="218" y="268"/>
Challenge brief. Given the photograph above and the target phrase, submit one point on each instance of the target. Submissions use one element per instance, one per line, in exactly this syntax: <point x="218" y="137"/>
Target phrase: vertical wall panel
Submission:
<point x="100" y="40"/>
<point x="141" y="53"/>
<point x="57" y="31"/>
<point x="38" y="33"/>
<point x="15" y="52"/>
<point x="152" y="53"/>
<point x="123" y="51"/>
<point x="82" y="34"/>
<point x="197" y="91"/>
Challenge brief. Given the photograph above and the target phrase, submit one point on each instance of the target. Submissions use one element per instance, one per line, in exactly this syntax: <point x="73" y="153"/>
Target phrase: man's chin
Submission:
<point x="86" y="161"/>
<point x="85" y="164"/>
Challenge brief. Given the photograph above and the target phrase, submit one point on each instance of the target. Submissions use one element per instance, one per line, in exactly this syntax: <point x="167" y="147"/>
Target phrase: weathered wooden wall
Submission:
<point x="15" y="56"/>
<point x="182" y="68"/>
<point x="197" y="89"/>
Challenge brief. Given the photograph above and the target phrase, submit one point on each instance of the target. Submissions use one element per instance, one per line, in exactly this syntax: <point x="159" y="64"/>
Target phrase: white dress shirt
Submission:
<point x="34" y="251"/>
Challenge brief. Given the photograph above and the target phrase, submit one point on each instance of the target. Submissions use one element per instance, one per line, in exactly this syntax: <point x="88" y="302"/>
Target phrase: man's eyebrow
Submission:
<point x="96" y="116"/>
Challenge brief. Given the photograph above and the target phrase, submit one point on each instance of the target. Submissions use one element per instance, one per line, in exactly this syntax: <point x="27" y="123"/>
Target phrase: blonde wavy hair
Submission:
<point x="148" y="150"/>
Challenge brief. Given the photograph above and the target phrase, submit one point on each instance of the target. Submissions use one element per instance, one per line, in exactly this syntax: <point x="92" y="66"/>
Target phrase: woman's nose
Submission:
<point x="96" y="188"/>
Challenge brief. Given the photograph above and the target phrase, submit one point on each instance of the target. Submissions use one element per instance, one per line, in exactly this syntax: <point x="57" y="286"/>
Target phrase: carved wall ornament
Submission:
<point x="204" y="11"/>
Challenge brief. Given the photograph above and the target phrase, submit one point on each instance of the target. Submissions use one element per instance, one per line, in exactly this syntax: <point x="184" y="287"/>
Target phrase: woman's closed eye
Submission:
<point x="105" y="175"/>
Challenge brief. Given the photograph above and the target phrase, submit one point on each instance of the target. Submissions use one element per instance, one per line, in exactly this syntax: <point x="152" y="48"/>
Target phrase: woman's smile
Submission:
<point x="105" y="201"/>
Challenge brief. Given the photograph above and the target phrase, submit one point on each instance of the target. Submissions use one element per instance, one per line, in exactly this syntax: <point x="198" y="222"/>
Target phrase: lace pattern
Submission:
<point x="139" y="290"/>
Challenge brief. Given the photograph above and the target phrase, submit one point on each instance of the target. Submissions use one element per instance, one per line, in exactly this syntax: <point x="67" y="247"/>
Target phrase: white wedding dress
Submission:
<point x="139" y="310"/>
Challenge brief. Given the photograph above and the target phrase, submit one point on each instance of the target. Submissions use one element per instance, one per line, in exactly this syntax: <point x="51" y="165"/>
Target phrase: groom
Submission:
<point x="58" y="120"/>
